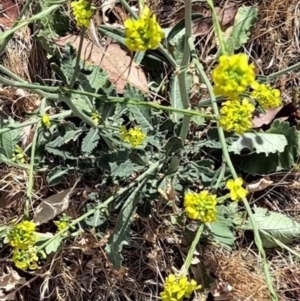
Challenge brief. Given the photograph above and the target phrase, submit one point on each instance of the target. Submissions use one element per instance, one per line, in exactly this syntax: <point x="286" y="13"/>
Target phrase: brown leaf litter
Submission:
<point x="119" y="65"/>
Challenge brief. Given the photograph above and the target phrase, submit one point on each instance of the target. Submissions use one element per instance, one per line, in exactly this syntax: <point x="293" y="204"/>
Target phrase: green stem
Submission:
<point x="183" y="90"/>
<point x="257" y="238"/>
<point x="76" y="68"/>
<point x="192" y="249"/>
<point x="217" y="26"/>
<point x="34" y="121"/>
<point x="221" y="175"/>
<point x="182" y="76"/>
<point x="155" y="106"/>
<point x="284" y="71"/>
<point x="31" y="173"/>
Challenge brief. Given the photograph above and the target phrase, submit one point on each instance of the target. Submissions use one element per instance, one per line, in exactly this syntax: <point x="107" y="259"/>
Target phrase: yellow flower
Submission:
<point x="233" y="75"/>
<point x="176" y="288"/>
<point x="24" y="259"/>
<point x="201" y="206"/>
<point x="267" y="97"/>
<point x="236" y="115"/>
<point x="144" y="33"/>
<point x="46" y="121"/>
<point x="22" y="235"/>
<point x="132" y="136"/>
<point x="237" y="192"/>
<point x="82" y="13"/>
<point x="96" y="117"/>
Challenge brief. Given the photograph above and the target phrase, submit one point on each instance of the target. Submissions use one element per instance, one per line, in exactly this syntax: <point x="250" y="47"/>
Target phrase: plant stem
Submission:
<point x="104" y="204"/>
<point x="192" y="249"/>
<point x="76" y="67"/>
<point x="183" y="89"/>
<point x="284" y="71"/>
<point x="257" y="238"/>
<point x="182" y="76"/>
<point x="217" y="26"/>
<point x="31" y="173"/>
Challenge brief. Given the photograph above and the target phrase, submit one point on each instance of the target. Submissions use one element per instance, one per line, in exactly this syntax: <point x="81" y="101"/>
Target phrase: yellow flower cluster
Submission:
<point x="24" y="259"/>
<point x="237" y="192"/>
<point x="177" y="287"/>
<point x="19" y="155"/>
<point x="96" y="117"/>
<point x="22" y="235"/>
<point x="233" y="75"/>
<point x="267" y="97"/>
<point x="235" y="115"/>
<point x="22" y="238"/>
<point x="46" y="121"/>
<point x="133" y="136"/>
<point x="63" y="222"/>
<point x="144" y="33"/>
<point x="82" y="13"/>
<point x="201" y="206"/>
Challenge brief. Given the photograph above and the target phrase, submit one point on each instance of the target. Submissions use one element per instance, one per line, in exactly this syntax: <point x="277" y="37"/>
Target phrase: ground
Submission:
<point x="80" y="270"/>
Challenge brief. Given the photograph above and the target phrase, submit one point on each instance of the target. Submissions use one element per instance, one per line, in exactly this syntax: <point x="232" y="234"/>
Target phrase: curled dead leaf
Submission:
<point x="267" y="118"/>
<point x="119" y="66"/>
<point x="258" y="185"/>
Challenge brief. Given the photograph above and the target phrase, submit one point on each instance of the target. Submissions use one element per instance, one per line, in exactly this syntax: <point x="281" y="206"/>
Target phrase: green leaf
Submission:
<point x="141" y="115"/>
<point x="118" y="239"/>
<point x="67" y="62"/>
<point x="67" y="137"/>
<point x="176" y="98"/>
<point x="222" y="229"/>
<point x="93" y="78"/>
<point x="125" y="169"/>
<point x="262" y="164"/>
<point x="244" y="20"/>
<point x="61" y="153"/>
<point x="279" y="226"/>
<point x="173" y="145"/>
<point x="54" y="245"/>
<point x="194" y="171"/>
<point x="114" y="33"/>
<point x="259" y="143"/>
<point x="83" y="103"/>
<point x="90" y="141"/>
<point x="55" y="176"/>
<point x="9" y="139"/>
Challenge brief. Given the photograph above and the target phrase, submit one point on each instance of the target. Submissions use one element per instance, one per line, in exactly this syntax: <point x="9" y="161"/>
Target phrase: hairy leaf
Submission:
<point x="173" y="145"/>
<point x="118" y="239"/>
<point x="90" y="141"/>
<point x="244" y="20"/>
<point x="261" y="164"/>
<point x="68" y="136"/>
<point x="61" y="153"/>
<point x="8" y="140"/>
<point x="55" y="176"/>
<point x="222" y="229"/>
<point x="279" y="226"/>
<point x="176" y="97"/>
<point x="141" y="115"/>
<point x="259" y="143"/>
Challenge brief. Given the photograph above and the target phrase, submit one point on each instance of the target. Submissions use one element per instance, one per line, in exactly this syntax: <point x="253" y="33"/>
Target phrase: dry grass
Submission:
<point x="81" y="271"/>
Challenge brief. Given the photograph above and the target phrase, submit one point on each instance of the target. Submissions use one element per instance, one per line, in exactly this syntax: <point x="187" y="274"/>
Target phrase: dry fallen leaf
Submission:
<point x="9" y="13"/>
<point x="106" y="6"/>
<point x="51" y="207"/>
<point x="201" y="27"/>
<point x="267" y="118"/>
<point x="8" y="282"/>
<point x="114" y="60"/>
<point x="258" y="185"/>
<point x="227" y="14"/>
